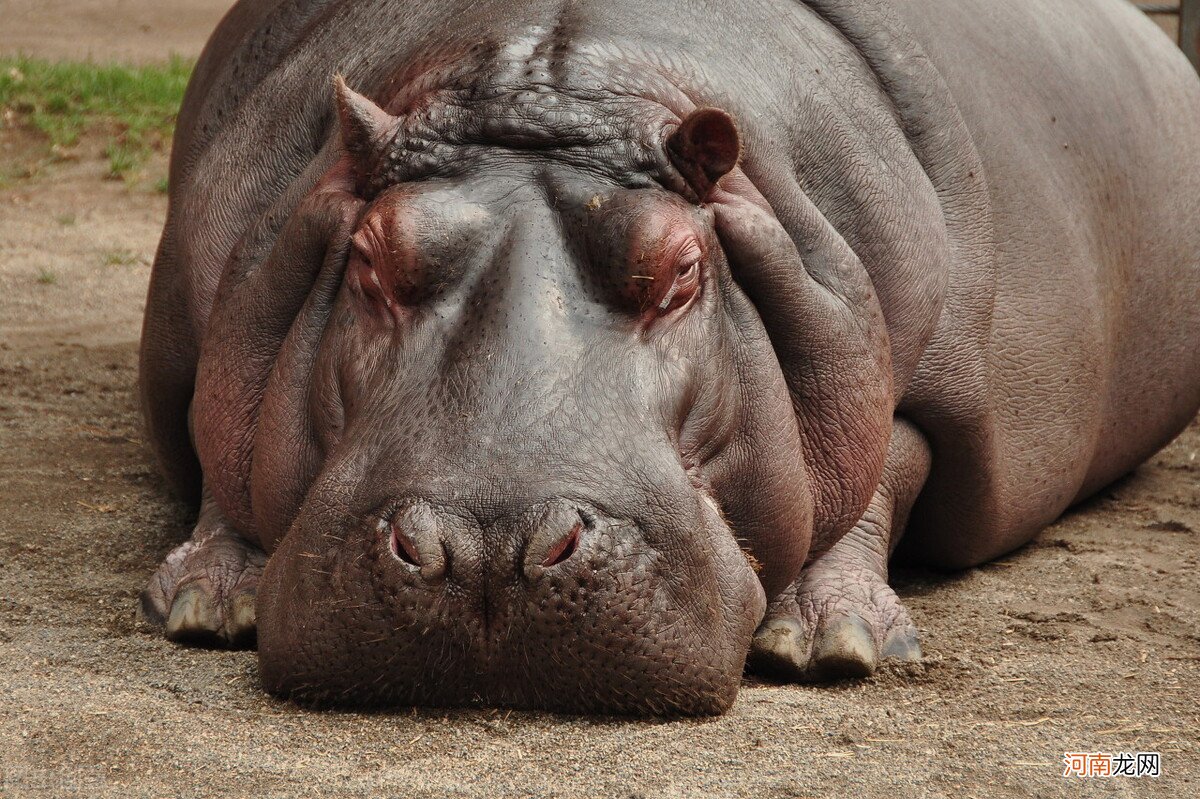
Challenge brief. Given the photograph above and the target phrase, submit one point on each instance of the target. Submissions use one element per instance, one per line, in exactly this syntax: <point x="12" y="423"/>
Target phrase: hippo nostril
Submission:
<point x="404" y="548"/>
<point x="414" y="536"/>
<point x="546" y="546"/>
<point x="565" y="547"/>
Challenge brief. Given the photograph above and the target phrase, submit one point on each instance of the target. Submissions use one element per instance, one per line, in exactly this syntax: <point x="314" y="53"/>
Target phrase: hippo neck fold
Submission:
<point x="928" y="116"/>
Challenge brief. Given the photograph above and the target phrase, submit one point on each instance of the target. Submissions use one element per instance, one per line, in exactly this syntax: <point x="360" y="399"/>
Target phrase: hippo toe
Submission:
<point x="204" y="591"/>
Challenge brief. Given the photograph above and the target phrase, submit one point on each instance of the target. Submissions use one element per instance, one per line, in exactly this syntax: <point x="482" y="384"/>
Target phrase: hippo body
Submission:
<point x="565" y="354"/>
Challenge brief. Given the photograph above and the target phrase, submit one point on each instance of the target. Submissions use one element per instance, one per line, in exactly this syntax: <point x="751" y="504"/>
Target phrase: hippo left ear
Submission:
<point x="705" y="147"/>
<point x="366" y="129"/>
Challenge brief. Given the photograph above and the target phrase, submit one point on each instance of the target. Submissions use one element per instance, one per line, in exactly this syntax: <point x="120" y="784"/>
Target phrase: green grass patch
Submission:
<point x="122" y="159"/>
<point x="46" y="277"/>
<point x="120" y="258"/>
<point x="135" y="106"/>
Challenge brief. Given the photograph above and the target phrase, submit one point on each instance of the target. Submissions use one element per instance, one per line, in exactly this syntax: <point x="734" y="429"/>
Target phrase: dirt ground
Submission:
<point x="130" y="31"/>
<point x="1086" y="640"/>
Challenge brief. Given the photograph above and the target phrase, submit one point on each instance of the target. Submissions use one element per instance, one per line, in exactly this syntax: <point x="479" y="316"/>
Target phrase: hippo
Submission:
<point x="579" y="356"/>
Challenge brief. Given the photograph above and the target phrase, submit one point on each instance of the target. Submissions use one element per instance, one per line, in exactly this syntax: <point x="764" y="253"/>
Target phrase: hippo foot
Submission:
<point x="837" y="621"/>
<point x="834" y="623"/>
<point x="203" y="593"/>
<point x="841" y="618"/>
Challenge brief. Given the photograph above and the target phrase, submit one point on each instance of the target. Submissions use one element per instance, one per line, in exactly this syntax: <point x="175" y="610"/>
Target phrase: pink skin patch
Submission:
<point x="403" y="547"/>
<point x="666" y="258"/>
<point x="384" y="266"/>
<point x="565" y="547"/>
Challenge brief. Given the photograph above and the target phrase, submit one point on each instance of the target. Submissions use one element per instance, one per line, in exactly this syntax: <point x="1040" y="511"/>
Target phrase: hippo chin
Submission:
<point x="568" y="355"/>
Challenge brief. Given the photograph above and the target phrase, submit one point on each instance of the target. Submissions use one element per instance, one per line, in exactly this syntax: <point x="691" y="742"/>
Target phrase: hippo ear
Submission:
<point x="705" y="147"/>
<point x="366" y="129"/>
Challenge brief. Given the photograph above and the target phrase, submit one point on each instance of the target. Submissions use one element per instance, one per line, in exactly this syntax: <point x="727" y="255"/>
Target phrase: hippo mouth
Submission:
<point x="561" y="607"/>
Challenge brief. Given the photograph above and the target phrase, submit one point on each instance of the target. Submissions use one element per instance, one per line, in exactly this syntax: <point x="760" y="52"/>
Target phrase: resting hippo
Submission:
<point x="566" y="354"/>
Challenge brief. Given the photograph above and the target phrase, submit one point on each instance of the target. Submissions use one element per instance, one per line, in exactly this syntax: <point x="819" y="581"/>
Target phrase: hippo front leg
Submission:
<point x="840" y="618"/>
<point x="204" y="592"/>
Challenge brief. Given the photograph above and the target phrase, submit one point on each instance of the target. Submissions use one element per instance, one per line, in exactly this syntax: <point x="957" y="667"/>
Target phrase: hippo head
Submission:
<point x="532" y="446"/>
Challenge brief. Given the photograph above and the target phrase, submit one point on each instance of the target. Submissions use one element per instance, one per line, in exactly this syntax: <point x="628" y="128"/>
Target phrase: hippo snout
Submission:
<point x="551" y="603"/>
<point x="438" y="545"/>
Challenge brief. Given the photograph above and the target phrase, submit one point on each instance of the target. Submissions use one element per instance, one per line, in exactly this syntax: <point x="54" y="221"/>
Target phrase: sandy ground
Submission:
<point x="1086" y="640"/>
<point x="107" y="30"/>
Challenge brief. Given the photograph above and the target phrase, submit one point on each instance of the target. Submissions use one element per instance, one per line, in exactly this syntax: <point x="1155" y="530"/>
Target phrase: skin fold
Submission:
<point x="571" y="356"/>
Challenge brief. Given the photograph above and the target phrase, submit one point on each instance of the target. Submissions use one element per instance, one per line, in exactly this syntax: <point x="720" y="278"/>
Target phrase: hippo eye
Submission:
<point x="366" y="278"/>
<point x="687" y="279"/>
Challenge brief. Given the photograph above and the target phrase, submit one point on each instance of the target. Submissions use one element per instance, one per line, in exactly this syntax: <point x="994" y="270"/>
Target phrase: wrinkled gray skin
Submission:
<point x="536" y="394"/>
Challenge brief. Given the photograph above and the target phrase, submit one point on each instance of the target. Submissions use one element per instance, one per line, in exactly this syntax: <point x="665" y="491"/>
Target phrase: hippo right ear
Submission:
<point x="366" y="129"/>
<point x="704" y="148"/>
